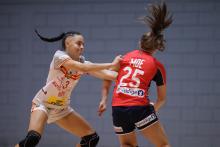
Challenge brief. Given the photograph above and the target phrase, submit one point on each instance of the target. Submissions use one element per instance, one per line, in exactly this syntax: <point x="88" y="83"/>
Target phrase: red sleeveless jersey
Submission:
<point x="137" y="70"/>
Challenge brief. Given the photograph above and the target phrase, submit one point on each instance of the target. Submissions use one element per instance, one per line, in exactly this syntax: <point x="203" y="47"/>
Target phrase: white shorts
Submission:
<point x="52" y="114"/>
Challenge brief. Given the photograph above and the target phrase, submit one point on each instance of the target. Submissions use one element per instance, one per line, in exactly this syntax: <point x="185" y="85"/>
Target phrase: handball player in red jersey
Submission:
<point x="131" y="107"/>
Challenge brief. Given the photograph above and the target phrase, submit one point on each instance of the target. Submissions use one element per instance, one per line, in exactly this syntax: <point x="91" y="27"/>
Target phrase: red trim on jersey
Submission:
<point x="72" y="76"/>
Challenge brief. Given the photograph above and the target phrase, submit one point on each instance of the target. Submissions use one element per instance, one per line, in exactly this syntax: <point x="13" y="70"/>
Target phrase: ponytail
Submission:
<point x="62" y="37"/>
<point x="53" y="39"/>
<point x="158" y="21"/>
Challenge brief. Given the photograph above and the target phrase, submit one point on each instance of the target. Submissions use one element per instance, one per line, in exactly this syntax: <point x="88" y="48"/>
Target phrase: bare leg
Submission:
<point x="37" y="122"/>
<point x="75" y="124"/>
<point x="156" y="134"/>
<point x="128" y="140"/>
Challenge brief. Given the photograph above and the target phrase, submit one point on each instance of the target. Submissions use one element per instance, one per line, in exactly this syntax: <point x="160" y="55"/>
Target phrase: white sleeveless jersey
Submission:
<point x="60" y="83"/>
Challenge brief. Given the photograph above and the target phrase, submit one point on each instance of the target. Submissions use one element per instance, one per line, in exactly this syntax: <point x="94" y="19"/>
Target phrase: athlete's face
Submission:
<point x="74" y="46"/>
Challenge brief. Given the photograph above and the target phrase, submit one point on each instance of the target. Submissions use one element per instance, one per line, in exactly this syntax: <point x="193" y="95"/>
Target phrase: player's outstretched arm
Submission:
<point x="75" y="65"/>
<point x="105" y="74"/>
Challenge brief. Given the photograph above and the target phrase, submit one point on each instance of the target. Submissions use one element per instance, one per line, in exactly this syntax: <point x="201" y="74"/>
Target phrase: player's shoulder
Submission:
<point x="131" y="53"/>
<point x="159" y="64"/>
<point x="61" y="55"/>
<point x="135" y="51"/>
<point x="59" y="58"/>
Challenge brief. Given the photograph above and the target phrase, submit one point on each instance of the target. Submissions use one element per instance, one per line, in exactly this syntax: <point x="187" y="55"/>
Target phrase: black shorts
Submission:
<point x="126" y="119"/>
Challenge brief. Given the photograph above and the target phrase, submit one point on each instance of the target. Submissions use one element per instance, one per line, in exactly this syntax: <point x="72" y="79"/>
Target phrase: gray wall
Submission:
<point x="192" y="59"/>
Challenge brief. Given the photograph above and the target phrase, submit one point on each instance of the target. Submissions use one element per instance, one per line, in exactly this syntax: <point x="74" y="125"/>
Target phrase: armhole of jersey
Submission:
<point x="61" y="64"/>
<point x="163" y="73"/>
<point x="160" y="76"/>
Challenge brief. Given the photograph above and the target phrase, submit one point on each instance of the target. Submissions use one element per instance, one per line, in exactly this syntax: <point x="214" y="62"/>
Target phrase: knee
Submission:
<point x="31" y="140"/>
<point x="90" y="140"/>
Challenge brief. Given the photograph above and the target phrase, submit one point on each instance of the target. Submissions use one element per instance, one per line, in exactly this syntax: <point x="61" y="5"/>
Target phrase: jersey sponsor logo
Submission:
<point x="56" y="101"/>
<point x="118" y="129"/>
<point x="146" y="120"/>
<point x="131" y="91"/>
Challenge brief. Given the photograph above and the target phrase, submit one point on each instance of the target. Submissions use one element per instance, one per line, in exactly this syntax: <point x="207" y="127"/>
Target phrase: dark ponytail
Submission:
<point x="158" y="21"/>
<point x="53" y="39"/>
<point x="62" y="37"/>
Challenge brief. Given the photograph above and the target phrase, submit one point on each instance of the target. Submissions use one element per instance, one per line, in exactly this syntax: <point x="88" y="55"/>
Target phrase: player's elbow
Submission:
<point x="113" y="75"/>
<point x="85" y="68"/>
<point x="162" y="99"/>
<point x="111" y="78"/>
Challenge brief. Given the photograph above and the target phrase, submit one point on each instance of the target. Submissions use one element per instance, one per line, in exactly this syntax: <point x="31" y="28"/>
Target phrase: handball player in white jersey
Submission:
<point x="52" y="102"/>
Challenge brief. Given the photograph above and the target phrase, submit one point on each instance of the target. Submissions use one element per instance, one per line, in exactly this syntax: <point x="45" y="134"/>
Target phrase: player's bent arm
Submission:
<point x="161" y="97"/>
<point x="105" y="74"/>
<point x="106" y="85"/>
<point x="105" y="91"/>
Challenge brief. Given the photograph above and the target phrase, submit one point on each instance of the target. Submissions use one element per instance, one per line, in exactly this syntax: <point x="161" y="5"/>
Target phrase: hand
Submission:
<point x="102" y="108"/>
<point x="117" y="59"/>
